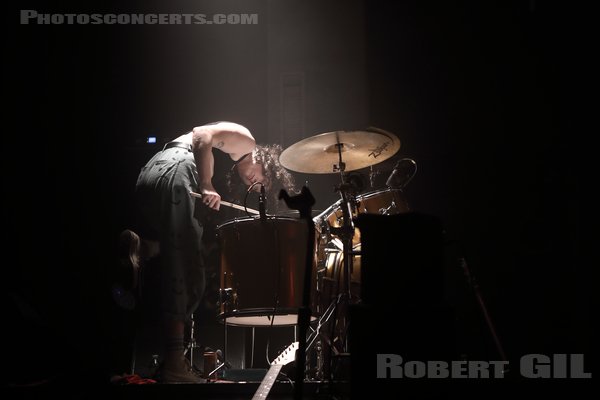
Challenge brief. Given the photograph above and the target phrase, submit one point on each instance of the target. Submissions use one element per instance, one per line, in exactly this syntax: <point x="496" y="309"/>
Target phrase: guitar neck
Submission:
<point x="265" y="386"/>
<point x="286" y="357"/>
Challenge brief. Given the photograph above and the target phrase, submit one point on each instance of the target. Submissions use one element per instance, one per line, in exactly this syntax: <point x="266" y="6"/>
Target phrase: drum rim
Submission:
<point x="257" y="218"/>
<point x="366" y="194"/>
<point x="259" y="312"/>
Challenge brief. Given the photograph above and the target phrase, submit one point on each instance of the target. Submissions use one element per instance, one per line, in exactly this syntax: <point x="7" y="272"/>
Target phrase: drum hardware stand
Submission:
<point x="226" y="296"/>
<point x="191" y="343"/>
<point x="316" y="336"/>
<point x="331" y="315"/>
<point x="323" y="319"/>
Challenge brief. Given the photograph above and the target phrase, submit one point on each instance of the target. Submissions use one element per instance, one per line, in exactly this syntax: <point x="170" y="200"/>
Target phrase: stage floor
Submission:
<point x="205" y="391"/>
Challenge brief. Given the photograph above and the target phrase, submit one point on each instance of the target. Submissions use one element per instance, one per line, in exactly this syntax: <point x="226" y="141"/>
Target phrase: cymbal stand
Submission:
<point x="336" y="312"/>
<point x="346" y="234"/>
<point x="346" y="231"/>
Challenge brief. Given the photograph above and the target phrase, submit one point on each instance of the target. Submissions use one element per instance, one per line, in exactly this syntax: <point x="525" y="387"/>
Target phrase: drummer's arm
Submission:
<point x="229" y="137"/>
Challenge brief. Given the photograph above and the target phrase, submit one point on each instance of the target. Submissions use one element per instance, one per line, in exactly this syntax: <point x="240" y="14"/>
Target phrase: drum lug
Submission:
<point x="386" y="211"/>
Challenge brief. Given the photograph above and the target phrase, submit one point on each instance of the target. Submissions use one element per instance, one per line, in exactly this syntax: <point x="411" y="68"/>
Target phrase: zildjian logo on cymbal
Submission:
<point x="376" y="152"/>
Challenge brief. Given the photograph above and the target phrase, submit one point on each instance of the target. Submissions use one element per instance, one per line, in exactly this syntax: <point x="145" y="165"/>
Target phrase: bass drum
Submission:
<point x="262" y="266"/>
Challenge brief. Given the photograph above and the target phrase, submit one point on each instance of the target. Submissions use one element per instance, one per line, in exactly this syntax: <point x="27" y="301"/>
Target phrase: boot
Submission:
<point x="179" y="370"/>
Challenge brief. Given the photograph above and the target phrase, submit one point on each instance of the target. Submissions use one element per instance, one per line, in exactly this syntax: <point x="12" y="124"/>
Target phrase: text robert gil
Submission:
<point x="530" y="366"/>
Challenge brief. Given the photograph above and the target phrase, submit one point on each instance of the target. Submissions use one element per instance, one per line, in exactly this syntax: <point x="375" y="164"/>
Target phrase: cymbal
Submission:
<point x="359" y="149"/>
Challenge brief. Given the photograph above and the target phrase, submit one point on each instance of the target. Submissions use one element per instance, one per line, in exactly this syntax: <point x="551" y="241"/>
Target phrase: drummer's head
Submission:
<point x="262" y="165"/>
<point x="252" y="172"/>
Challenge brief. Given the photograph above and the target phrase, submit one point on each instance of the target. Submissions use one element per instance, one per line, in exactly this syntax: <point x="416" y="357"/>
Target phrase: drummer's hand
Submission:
<point x="211" y="198"/>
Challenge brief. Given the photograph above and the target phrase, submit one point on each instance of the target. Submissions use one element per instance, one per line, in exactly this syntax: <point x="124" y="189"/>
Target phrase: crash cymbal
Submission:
<point x="359" y="149"/>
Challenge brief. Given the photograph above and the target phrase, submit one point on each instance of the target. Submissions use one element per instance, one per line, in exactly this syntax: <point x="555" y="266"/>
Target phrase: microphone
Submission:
<point x="401" y="175"/>
<point x="261" y="203"/>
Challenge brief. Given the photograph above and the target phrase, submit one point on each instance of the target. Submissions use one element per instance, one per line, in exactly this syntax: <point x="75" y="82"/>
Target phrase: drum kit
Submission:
<point x="275" y="246"/>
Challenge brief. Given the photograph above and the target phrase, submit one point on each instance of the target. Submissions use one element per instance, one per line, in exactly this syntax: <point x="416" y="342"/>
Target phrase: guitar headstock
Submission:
<point x="287" y="356"/>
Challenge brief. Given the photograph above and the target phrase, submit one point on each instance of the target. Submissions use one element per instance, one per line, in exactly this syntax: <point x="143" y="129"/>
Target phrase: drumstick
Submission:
<point x="228" y="204"/>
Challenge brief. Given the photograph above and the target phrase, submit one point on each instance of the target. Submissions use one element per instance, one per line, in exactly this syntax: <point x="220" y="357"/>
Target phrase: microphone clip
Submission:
<point x="262" y="200"/>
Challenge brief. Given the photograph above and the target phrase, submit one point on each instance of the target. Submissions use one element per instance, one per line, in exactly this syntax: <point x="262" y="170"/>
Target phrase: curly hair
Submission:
<point x="275" y="173"/>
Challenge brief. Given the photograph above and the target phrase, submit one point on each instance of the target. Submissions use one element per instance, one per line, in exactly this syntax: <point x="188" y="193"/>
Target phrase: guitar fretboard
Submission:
<point x="265" y="386"/>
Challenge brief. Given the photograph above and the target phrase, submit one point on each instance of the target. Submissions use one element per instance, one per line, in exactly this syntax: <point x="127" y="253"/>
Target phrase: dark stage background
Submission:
<point x="486" y="97"/>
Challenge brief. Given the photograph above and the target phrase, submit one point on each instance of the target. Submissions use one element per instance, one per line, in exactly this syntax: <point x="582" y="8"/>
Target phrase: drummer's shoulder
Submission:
<point x="230" y="137"/>
<point x="223" y="126"/>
